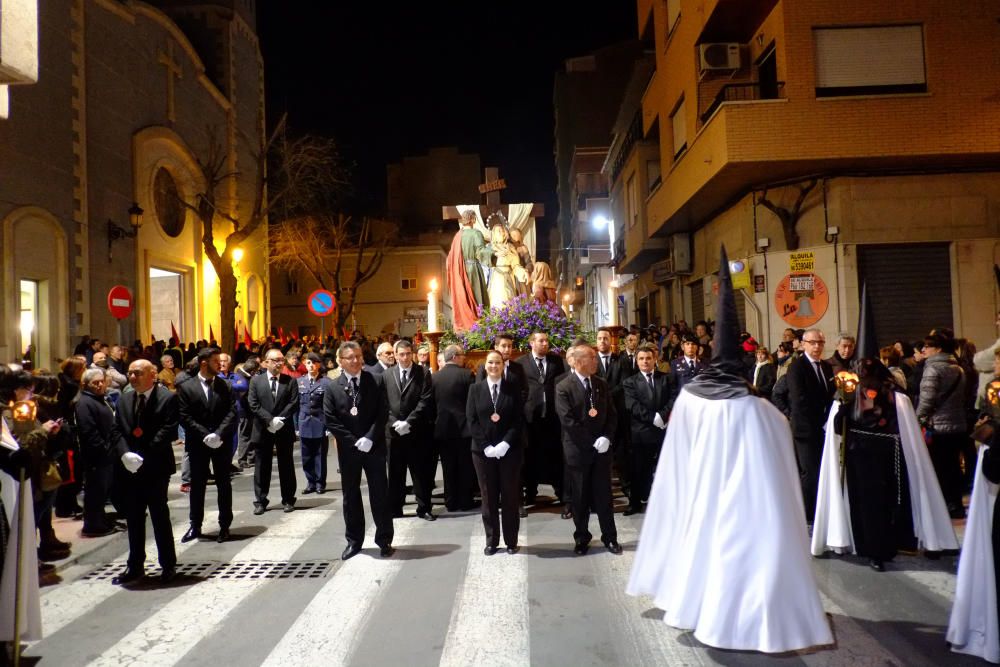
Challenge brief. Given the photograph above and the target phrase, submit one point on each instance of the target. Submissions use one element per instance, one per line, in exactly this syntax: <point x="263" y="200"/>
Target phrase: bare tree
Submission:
<point x="340" y="254"/>
<point x="286" y="174"/>
<point x="789" y="217"/>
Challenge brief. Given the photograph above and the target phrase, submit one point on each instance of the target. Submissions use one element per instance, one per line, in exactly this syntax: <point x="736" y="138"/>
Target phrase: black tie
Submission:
<point x="819" y="374"/>
<point x="208" y="386"/>
<point x="495" y="396"/>
<point x="354" y="389"/>
<point x="403" y="375"/>
<point x="604" y="363"/>
<point x="274" y="386"/>
<point x="139" y="407"/>
<point x="541" y="368"/>
<point x="649" y="379"/>
<point x="586" y="387"/>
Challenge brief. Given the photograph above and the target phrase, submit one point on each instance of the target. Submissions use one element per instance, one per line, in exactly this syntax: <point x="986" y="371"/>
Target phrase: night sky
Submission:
<point x="387" y="80"/>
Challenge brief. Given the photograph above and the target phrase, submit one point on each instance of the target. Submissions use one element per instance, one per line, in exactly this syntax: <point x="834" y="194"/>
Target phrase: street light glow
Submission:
<point x="600" y="221"/>
<point x="238" y="255"/>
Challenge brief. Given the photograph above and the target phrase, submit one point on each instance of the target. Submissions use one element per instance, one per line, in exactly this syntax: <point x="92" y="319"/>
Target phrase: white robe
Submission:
<point x="931" y="523"/>
<point x="724" y="549"/>
<point x="31" y="614"/>
<point x="973" y="626"/>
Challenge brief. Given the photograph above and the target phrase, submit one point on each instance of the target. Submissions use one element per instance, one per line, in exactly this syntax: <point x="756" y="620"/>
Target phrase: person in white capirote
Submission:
<point x="723" y="550"/>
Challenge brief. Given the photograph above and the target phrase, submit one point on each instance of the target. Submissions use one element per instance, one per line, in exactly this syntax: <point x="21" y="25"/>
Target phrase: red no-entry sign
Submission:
<point x="120" y="303"/>
<point x="321" y="303"/>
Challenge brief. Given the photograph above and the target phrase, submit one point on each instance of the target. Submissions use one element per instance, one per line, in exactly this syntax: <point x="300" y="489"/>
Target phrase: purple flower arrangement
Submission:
<point x="519" y="317"/>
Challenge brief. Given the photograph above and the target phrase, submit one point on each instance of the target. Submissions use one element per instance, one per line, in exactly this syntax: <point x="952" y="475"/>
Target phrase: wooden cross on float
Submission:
<point x="490" y="191"/>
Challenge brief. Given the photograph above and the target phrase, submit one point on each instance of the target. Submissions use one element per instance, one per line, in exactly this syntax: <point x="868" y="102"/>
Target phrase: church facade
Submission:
<point x="132" y="99"/>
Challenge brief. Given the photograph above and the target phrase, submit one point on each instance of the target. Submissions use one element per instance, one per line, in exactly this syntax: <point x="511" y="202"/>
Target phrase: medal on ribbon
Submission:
<point x="137" y="432"/>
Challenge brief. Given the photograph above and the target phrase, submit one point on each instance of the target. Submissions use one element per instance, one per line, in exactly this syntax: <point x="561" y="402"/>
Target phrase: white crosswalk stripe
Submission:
<point x="489" y="623"/>
<point x="327" y="630"/>
<point x="171" y="631"/>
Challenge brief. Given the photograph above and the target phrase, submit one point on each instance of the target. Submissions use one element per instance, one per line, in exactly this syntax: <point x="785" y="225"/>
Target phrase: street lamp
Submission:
<point x="135" y="222"/>
<point x="238" y="255"/>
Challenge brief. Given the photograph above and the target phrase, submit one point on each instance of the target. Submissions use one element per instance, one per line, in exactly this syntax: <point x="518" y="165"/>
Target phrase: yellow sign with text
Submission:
<point x="802" y="261"/>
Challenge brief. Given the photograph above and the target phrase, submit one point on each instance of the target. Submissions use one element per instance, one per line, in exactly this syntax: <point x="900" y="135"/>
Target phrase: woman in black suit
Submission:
<point x="494" y="411"/>
<point x="764" y="373"/>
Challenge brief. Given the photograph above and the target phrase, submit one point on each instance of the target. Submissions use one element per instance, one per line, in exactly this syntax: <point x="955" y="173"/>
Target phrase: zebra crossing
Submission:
<point x="441" y="601"/>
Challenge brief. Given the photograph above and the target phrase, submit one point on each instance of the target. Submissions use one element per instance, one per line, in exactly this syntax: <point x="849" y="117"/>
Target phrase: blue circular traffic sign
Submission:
<point x="321" y="303"/>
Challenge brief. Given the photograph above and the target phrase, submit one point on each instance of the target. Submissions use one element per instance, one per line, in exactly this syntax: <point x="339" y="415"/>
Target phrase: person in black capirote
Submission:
<point x="208" y="415"/>
<point x="451" y="429"/>
<point x="647" y="399"/>
<point x="810" y="392"/>
<point x="273" y="398"/>
<point x="543" y="457"/>
<point x="143" y="435"/>
<point x="411" y="405"/>
<point x="495" y="414"/>
<point x="587" y="413"/>
<point x="356" y="410"/>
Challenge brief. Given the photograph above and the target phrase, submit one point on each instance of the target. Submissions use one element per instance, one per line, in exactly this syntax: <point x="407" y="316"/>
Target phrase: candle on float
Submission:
<point x="432" y="306"/>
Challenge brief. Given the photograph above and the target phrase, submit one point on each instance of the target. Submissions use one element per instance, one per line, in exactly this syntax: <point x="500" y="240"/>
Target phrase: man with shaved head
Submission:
<point x="144" y="430"/>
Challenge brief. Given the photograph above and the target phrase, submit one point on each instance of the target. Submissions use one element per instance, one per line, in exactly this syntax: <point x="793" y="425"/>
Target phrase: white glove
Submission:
<point x="131" y="461"/>
<point x="401" y="427"/>
<point x="490" y="452"/>
<point x="602" y="444"/>
<point x="212" y="441"/>
<point x="276" y="424"/>
<point x="364" y="444"/>
<point x="500" y="449"/>
<point x="658" y="421"/>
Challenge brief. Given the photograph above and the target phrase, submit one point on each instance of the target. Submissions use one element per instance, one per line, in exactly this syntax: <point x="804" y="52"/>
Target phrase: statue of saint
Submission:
<point x="524" y="255"/>
<point x="543" y="286"/>
<point x="466" y="280"/>
<point x="507" y="270"/>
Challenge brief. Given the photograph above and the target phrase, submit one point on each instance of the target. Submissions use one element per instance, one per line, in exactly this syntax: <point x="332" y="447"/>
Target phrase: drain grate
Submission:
<point x="309" y="569"/>
<point x="235" y="571"/>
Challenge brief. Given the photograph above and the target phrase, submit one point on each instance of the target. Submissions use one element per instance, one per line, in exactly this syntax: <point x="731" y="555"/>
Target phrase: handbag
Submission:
<point x="49" y="477"/>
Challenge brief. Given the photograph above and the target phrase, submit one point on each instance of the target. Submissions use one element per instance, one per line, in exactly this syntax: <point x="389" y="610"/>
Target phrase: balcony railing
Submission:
<point x="744" y="92"/>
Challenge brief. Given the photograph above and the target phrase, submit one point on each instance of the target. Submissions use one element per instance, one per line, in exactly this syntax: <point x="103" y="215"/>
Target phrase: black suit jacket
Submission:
<point x="613" y="375"/>
<point x="451" y="392"/>
<point x="579" y="429"/>
<point x="412" y="402"/>
<point x="370" y="421"/>
<point x="479" y="408"/>
<point x="766" y="377"/>
<point x="157" y="428"/>
<point x="264" y="407"/>
<point x="540" y="391"/>
<point x="629" y="367"/>
<point x="643" y="405"/>
<point x="94" y="418"/>
<point x="200" y="417"/>
<point x="375" y="369"/>
<point x="809" y="401"/>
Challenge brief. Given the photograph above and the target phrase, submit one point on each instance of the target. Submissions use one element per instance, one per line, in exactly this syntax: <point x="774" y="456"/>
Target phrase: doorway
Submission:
<point x="166" y="305"/>
<point x="28" y="323"/>
<point x="767" y="74"/>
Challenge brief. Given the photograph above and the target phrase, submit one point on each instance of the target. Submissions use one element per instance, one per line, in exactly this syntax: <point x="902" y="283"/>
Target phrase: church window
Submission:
<point x="167" y="200"/>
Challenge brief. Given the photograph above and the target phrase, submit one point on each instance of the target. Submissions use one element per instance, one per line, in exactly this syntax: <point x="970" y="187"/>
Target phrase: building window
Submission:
<point x="167" y="202"/>
<point x="673" y="14"/>
<point x="874" y="60"/>
<point x="631" y="202"/>
<point x="652" y="174"/>
<point x="408" y="278"/>
<point x="679" y="128"/>
<point x="291" y="283"/>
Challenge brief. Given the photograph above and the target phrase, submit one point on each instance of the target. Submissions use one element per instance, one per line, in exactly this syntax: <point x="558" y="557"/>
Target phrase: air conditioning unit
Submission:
<point x="719" y="56"/>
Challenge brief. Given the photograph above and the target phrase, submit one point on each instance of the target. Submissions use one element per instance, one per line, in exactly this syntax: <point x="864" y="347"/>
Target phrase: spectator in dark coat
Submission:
<point x="94" y="419"/>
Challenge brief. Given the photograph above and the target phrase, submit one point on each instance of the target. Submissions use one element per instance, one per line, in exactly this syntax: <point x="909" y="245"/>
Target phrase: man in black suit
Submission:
<point x="614" y="370"/>
<point x="274" y="401"/>
<point x="647" y="399"/>
<point x="495" y="414"/>
<point x="504" y="344"/>
<point x="208" y="415"/>
<point x="451" y="429"/>
<point x="543" y="457"/>
<point x="356" y="411"/>
<point x="810" y="391"/>
<point x="384" y="359"/>
<point x="411" y="406"/>
<point x="143" y="435"/>
<point x="629" y="356"/>
<point x="687" y="367"/>
<point x="587" y="413"/>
